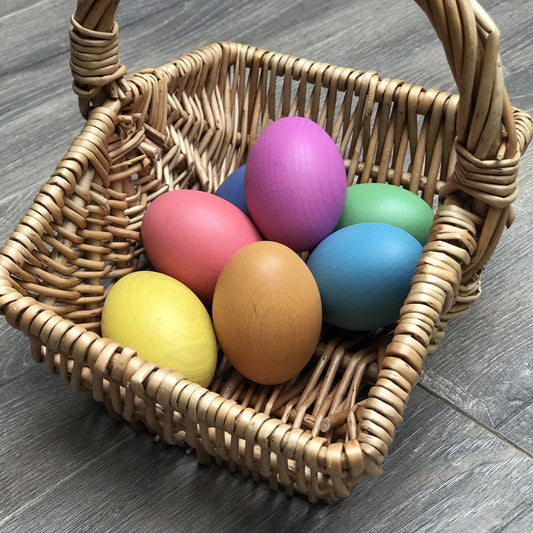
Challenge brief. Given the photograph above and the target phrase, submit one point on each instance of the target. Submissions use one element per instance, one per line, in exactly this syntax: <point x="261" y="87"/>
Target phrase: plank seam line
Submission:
<point x="461" y="411"/>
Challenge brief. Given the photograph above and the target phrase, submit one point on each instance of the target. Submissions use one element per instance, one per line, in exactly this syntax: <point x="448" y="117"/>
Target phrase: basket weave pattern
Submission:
<point x="190" y="123"/>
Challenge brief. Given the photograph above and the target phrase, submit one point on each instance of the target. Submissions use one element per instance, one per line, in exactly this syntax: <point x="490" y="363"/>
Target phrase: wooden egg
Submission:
<point x="232" y="190"/>
<point x="364" y="273"/>
<point x="164" y="321"/>
<point x="387" y="204"/>
<point x="295" y="183"/>
<point x="267" y="312"/>
<point x="190" y="235"/>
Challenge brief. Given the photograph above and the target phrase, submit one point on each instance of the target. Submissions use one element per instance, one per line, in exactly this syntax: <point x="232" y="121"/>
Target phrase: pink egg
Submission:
<point x="190" y="235"/>
<point x="295" y="183"/>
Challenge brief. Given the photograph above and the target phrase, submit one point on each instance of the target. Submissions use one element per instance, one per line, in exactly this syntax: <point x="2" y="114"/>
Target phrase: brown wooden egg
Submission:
<point x="267" y="312"/>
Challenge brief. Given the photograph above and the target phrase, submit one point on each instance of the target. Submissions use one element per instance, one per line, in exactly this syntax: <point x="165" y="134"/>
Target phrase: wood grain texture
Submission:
<point x="87" y="472"/>
<point x="461" y="461"/>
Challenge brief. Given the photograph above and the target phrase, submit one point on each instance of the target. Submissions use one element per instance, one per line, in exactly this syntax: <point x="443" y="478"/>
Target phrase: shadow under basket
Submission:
<point x="189" y="124"/>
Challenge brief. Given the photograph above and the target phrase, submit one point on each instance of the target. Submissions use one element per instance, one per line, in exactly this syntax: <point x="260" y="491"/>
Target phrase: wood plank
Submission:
<point x="518" y="426"/>
<point x="31" y="43"/>
<point x="462" y="463"/>
<point x="86" y="472"/>
<point x="15" y="354"/>
<point x="34" y="142"/>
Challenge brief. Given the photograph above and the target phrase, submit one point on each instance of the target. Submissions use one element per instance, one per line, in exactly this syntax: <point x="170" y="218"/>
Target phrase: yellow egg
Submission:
<point x="267" y="312"/>
<point x="164" y="321"/>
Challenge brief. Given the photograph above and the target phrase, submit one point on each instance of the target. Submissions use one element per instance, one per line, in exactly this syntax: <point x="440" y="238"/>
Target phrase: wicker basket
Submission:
<point x="188" y="124"/>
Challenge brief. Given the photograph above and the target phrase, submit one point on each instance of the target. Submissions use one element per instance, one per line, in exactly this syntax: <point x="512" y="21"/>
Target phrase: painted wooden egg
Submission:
<point x="364" y="274"/>
<point x="295" y="183"/>
<point x="388" y="204"/>
<point x="190" y="235"/>
<point x="232" y="190"/>
<point x="164" y="321"/>
<point x="267" y="312"/>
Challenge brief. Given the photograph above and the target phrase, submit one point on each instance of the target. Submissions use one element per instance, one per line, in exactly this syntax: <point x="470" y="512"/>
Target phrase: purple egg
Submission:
<point x="295" y="183"/>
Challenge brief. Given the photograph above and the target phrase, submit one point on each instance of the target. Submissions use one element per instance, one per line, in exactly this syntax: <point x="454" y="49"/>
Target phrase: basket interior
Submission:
<point x="189" y="124"/>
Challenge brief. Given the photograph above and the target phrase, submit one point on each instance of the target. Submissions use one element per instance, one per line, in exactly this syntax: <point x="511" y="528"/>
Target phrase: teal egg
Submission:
<point x="364" y="274"/>
<point x="387" y="204"/>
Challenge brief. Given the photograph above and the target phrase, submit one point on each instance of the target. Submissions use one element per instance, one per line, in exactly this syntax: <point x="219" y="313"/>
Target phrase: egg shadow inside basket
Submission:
<point x="325" y="398"/>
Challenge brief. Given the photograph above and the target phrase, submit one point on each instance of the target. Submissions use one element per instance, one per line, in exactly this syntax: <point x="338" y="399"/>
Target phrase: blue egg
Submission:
<point x="232" y="190"/>
<point x="364" y="274"/>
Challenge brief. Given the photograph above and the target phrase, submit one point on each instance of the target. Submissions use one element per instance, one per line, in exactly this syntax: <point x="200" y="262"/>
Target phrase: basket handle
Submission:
<point x="94" y="61"/>
<point x="471" y="43"/>
<point x="491" y="135"/>
<point x="488" y="144"/>
<point x="469" y="37"/>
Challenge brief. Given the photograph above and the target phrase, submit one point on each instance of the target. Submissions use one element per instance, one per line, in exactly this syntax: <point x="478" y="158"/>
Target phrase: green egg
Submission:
<point x="387" y="204"/>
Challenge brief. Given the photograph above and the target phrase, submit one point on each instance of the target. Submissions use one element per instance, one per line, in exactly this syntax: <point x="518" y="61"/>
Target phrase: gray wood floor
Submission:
<point x="463" y="458"/>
